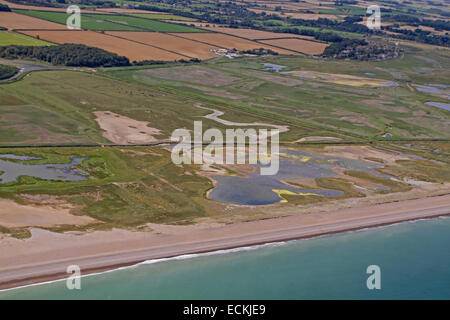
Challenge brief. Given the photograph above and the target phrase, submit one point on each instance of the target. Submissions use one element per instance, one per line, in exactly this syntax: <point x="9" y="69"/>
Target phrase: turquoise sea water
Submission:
<point x="414" y="259"/>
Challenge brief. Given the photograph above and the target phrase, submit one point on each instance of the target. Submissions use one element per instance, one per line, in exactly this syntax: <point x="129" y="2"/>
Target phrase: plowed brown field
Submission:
<point x="304" y="46"/>
<point x="130" y="49"/>
<point x="23" y="6"/>
<point x="169" y="42"/>
<point x="255" y="34"/>
<point x="229" y="42"/>
<point x="13" y="20"/>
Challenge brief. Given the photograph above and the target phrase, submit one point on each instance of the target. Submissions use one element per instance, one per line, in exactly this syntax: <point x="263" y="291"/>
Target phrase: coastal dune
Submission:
<point x="46" y="255"/>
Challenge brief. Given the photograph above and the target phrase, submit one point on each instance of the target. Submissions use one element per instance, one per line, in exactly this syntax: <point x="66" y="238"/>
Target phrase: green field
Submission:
<point x="111" y="22"/>
<point x="157" y="16"/>
<point x="12" y="38"/>
<point x="147" y="24"/>
<point x="90" y="23"/>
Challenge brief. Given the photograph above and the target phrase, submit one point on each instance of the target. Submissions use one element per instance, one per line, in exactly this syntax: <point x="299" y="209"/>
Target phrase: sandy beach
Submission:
<point x="46" y="255"/>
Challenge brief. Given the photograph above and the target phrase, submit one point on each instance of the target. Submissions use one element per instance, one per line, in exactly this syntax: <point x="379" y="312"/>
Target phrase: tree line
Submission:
<point x="4" y="7"/>
<point x="75" y="55"/>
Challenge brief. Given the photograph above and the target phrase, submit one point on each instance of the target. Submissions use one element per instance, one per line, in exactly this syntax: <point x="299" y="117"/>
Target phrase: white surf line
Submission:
<point x="216" y="114"/>
<point x="240" y="249"/>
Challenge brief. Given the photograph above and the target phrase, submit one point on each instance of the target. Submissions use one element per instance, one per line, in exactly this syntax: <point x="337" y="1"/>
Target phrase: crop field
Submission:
<point x="147" y="24"/>
<point x="188" y="48"/>
<point x="161" y="16"/>
<point x="110" y="22"/>
<point x="12" y="38"/>
<point x="300" y="45"/>
<point x="87" y="22"/>
<point x="13" y="5"/>
<point x="255" y="34"/>
<point x="121" y="10"/>
<point x="305" y="16"/>
<point x="132" y="50"/>
<point x="229" y="42"/>
<point x="11" y="20"/>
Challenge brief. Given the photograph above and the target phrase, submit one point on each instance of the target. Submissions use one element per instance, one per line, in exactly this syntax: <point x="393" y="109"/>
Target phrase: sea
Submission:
<point x="411" y="259"/>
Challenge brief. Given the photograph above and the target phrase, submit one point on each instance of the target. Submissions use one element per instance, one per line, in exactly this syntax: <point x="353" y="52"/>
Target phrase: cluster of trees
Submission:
<point x="260" y="52"/>
<point x="76" y="55"/>
<point x="58" y="3"/>
<point x="4" y="7"/>
<point x="415" y="21"/>
<point x="359" y="49"/>
<point x="7" y="72"/>
<point x="96" y="3"/>
<point x="39" y="3"/>
<point x="419" y="35"/>
<point x="348" y="25"/>
<point x="159" y="62"/>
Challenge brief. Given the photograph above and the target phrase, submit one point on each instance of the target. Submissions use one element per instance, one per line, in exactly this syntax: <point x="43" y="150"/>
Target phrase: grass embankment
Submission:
<point x="18" y="233"/>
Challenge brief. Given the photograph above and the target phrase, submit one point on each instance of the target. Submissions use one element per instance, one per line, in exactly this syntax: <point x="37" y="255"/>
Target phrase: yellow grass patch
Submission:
<point x="343" y="79"/>
<point x="282" y="192"/>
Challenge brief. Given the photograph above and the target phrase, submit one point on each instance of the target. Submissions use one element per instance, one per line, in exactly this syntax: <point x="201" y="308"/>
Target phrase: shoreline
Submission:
<point x="178" y="241"/>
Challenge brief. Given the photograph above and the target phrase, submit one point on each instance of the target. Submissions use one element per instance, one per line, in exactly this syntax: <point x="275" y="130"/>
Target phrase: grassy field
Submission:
<point x="13" y="38"/>
<point x="87" y="22"/>
<point x="358" y="112"/>
<point x="156" y="16"/>
<point x="148" y="24"/>
<point x="130" y="186"/>
<point x="69" y="101"/>
<point x="111" y="22"/>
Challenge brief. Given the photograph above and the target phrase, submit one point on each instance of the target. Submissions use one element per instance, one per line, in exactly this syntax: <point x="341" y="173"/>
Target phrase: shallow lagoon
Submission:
<point x="258" y="190"/>
<point x="11" y="170"/>
<point x="273" y="67"/>
<point x="440" y="105"/>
